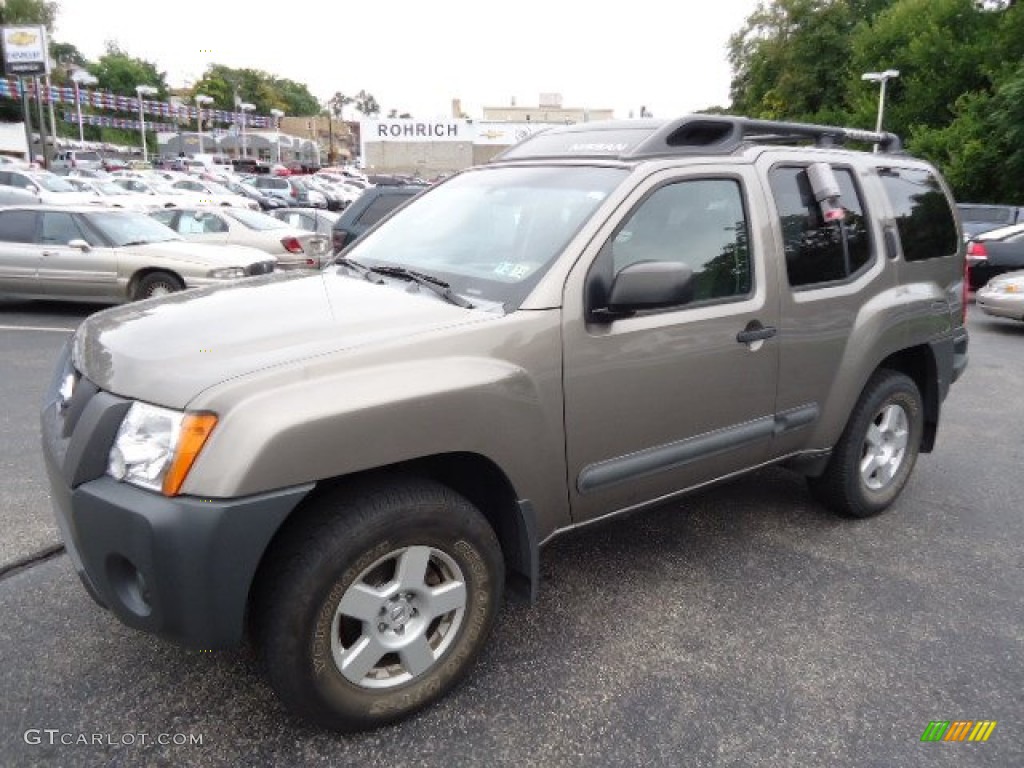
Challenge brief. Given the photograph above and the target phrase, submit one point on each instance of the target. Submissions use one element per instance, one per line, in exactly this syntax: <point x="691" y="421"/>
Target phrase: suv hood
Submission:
<point x="169" y="349"/>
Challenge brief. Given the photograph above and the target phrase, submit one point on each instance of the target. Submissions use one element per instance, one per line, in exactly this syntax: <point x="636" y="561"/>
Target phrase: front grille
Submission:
<point x="261" y="268"/>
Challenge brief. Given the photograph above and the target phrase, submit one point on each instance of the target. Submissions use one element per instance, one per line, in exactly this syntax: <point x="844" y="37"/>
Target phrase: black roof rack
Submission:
<point x="693" y="134"/>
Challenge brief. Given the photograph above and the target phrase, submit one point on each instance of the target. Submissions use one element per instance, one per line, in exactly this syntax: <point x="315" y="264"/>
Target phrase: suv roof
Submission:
<point x="632" y="140"/>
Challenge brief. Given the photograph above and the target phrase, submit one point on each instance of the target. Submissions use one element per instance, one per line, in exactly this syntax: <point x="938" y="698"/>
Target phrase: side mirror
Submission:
<point x="649" y="285"/>
<point x="33" y="189"/>
<point x="80" y="244"/>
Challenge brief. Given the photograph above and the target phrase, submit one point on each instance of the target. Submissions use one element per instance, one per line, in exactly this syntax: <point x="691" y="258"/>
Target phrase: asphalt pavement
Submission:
<point x="742" y="626"/>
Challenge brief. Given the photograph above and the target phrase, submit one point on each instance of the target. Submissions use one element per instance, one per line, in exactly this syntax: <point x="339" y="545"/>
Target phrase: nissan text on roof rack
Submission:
<point x="605" y="317"/>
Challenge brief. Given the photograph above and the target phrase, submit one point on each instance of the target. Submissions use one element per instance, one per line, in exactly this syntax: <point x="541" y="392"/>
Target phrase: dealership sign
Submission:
<point x="415" y="130"/>
<point x="25" y="51"/>
<point x="433" y="131"/>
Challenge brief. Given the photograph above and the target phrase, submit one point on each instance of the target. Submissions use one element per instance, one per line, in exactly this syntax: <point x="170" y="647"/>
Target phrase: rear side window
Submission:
<point x="923" y="214"/>
<point x="59" y="229"/>
<point x="18" y="226"/>
<point x="381" y="207"/>
<point x="819" y="251"/>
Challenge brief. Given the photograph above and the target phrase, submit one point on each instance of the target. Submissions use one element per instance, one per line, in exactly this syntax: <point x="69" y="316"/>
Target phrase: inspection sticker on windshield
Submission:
<point x="513" y="270"/>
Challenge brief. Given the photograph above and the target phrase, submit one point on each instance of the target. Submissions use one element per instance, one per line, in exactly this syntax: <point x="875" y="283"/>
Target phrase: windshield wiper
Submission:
<point x="130" y="243"/>
<point x="440" y="287"/>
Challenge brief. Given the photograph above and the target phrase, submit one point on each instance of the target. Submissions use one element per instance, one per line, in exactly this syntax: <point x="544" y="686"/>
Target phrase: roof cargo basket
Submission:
<point x="715" y="133"/>
<point x="690" y="135"/>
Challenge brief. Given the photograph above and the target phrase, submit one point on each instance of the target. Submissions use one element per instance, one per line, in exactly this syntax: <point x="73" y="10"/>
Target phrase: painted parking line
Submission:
<point x="42" y="328"/>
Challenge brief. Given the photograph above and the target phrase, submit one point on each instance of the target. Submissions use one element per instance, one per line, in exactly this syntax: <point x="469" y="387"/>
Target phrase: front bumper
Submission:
<point x="179" y="567"/>
<point x="1010" y="305"/>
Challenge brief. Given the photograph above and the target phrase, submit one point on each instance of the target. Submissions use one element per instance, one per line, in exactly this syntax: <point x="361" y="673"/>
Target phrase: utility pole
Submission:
<point x="42" y="124"/>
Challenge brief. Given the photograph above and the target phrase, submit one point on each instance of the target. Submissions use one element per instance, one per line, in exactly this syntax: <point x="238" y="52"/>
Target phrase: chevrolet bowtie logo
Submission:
<point x="22" y="38"/>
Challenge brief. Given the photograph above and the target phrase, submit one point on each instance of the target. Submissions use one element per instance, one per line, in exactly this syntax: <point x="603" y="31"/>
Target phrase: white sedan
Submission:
<point x="112" y="194"/>
<point x="294" y="248"/>
<point x="212" y="193"/>
<point x="162" y="195"/>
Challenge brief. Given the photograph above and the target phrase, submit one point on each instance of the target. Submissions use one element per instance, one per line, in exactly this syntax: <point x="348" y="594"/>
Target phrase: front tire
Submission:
<point x="876" y="453"/>
<point x="158" y="284"/>
<point x="377" y="602"/>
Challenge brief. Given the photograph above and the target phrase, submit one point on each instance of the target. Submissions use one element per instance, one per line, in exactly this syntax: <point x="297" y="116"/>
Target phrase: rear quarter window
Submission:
<point x="381" y="207"/>
<point x="924" y="216"/>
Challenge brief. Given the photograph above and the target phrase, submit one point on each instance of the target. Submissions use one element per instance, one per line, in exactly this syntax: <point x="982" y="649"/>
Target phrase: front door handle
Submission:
<point x="755" y="332"/>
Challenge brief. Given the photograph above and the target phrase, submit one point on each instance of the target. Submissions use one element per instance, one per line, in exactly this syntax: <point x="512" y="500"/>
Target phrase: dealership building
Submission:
<point x="429" y="147"/>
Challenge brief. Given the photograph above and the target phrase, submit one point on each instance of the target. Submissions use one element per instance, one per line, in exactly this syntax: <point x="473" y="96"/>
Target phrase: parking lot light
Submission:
<point x="143" y="90"/>
<point x="278" y="114"/>
<point x="80" y="77"/>
<point x="245" y="107"/>
<point x="201" y="99"/>
<point x="882" y="78"/>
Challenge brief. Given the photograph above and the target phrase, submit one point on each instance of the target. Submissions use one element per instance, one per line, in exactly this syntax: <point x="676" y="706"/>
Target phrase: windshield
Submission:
<point x="109" y="188"/>
<point x="166" y="189"/>
<point x="254" y="219"/>
<point x="218" y="189"/>
<point x="53" y="183"/>
<point x="131" y="228"/>
<point x="491" y="233"/>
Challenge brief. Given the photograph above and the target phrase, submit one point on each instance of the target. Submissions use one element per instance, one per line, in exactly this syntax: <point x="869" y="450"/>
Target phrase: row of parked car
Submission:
<point x="130" y="235"/>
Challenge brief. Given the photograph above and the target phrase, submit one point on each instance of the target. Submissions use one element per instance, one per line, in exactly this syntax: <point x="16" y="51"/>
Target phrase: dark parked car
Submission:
<point x="372" y="206"/>
<point x="977" y="218"/>
<point x="995" y="252"/>
<point x="311" y="219"/>
<point x="266" y="202"/>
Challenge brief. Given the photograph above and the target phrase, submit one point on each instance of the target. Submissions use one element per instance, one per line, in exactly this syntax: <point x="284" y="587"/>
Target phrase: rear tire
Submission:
<point x="876" y="453"/>
<point x="377" y="602"/>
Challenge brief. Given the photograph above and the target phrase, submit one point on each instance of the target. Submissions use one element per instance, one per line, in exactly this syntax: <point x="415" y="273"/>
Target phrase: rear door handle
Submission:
<point x="755" y="332"/>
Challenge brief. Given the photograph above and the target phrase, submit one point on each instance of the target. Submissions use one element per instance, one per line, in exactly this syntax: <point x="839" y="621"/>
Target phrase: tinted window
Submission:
<point x="18" y="226"/>
<point x="923" y="216"/>
<point x="200" y="223"/>
<point x="818" y="251"/>
<point x="59" y="229"/>
<point x="700" y="224"/>
<point x="165" y="217"/>
<point x="379" y="208"/>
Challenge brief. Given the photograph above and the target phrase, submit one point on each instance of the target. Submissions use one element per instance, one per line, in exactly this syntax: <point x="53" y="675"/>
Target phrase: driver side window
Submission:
<point x="700" y="224"/>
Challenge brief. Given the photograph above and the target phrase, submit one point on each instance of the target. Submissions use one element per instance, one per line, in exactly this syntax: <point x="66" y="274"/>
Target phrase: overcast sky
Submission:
<point x="416" y="56"/>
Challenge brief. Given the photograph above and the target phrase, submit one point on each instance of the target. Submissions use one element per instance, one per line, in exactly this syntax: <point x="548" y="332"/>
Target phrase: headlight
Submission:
<point x="226" y="273"/>
<point x="156" y="447"/>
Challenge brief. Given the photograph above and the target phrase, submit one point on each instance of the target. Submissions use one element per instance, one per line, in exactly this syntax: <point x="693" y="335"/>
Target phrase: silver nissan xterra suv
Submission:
<point x="353" y="465"/>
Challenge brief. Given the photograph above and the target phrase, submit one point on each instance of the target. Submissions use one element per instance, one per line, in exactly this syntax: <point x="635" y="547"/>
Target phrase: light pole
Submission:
<point x="80" y="77"/>
<point x="245" y="107"/>
<point x="278" y="114"/>
<point x="143" y="90"/>
<point x="200" y="100"/>
<point x="882" y="78"/>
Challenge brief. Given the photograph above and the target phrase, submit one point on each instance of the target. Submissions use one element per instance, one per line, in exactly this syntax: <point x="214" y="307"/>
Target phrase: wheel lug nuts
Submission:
<point x="382" y="627"/>
<point x="400" y="630"/>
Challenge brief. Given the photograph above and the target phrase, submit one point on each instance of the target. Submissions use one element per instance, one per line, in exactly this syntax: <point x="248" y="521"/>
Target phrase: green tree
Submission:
<point x="791" y="59"/>
<point x="30" y="12"/>
<point x="264" y="91"/>
<point x="118" y="72"/>
<point x="939" y="48"/>
<point x="337" y="104"/>
<point x="367" y="104"/>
